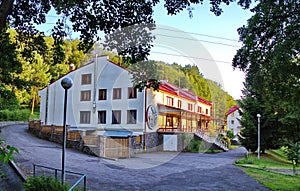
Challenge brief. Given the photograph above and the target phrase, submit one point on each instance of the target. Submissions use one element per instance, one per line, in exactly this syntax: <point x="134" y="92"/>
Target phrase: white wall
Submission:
<point x="108" y="76"/>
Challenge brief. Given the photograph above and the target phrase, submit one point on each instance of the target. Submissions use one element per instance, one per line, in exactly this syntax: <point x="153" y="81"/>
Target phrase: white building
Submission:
<point x="102" y="98"/>
<point x="233" y="120"/>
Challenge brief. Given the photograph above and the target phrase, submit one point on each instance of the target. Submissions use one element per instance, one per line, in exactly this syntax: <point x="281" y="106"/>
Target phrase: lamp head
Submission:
<point x="67" y="83"/>
<point x="258" y="115"/>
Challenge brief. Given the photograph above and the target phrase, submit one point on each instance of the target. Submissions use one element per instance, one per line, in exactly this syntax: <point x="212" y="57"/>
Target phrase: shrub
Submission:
<point x="14" y="115"/>
<point x="194" y="145"/>
<point x="43" y="183"/>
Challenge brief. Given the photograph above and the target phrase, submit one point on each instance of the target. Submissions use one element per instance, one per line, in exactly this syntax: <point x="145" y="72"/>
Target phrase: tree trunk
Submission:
<point x="5" y="9"/>
<point x="32" y="105"/>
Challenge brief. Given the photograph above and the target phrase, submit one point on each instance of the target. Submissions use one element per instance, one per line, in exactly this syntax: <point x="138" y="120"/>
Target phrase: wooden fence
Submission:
<point x="86" y="141"/>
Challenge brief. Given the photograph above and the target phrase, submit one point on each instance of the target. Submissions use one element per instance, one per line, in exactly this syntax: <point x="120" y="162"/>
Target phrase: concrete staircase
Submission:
<point x="212" y="140"/>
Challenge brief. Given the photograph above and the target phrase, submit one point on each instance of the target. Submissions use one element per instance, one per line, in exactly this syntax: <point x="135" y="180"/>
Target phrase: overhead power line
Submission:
<point x="194" y="57"/>
<point x="193" y="39"/>
<point x="199" y="34"/>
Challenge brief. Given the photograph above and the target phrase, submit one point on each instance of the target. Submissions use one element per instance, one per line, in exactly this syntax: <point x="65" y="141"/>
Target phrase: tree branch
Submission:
<point x="5" y="9"/>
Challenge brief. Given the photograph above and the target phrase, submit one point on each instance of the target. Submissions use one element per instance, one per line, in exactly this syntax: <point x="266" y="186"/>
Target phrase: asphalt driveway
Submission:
<point x="150" y="171"/>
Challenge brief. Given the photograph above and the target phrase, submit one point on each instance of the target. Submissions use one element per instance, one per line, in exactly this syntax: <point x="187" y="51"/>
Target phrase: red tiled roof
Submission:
<point x="232" y="109"/>
<point x="172" y="89"/>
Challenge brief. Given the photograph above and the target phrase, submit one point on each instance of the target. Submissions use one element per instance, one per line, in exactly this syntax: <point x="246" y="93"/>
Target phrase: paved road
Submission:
<point x="151" y="171"/>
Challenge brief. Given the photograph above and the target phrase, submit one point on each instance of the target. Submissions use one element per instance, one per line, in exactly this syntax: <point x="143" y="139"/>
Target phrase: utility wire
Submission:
<point x="194" y="57"/>
<point x="199" y="34"/>
<point x="179" y="37"/>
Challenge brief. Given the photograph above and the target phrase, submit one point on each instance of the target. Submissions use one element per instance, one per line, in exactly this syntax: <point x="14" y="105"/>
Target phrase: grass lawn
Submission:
<point x="271" y="160"/>
<point x="275" y="181"/>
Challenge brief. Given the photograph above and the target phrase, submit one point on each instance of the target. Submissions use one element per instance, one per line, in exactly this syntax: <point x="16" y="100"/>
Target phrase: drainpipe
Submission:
<point x="95" y="83"/>
<point x="145" y="121"/>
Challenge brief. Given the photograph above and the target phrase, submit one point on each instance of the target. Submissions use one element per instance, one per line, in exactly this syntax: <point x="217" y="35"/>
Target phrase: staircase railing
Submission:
<point x="212" y="139"/>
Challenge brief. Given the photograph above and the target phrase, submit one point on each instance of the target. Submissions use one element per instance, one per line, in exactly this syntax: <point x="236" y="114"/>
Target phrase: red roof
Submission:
<point x="172" y="89"/>
<point x="232" y="109"/>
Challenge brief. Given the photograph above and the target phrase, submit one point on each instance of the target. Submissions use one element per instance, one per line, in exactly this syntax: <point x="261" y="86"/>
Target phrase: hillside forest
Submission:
<point x="30" y="75"/>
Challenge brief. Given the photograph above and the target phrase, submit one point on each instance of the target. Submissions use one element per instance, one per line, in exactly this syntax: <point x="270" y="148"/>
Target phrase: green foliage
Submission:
<point x="293" y="154"/>
<point x="44" y="183"/>
<point x="6" y="154"/>
<point x="274" y="181"/>
<point x="272" y="86"/>
<point x="194" y="145"/>
<point x="14" y="115"/>
<point x="8" y="99"/>
<point x="230" y="134"/>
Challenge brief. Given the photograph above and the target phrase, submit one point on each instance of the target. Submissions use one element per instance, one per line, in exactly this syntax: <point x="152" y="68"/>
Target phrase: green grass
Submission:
<point x="275" y="181"/>
<point x="266" y="161"/>
<point x="271" y="160"/>
<point x="35" y="115"/>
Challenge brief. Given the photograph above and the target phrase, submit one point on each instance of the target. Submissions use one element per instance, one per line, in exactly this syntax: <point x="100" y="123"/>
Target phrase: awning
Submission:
<point x="168" y="109"/>
<point x="118" y="133"/>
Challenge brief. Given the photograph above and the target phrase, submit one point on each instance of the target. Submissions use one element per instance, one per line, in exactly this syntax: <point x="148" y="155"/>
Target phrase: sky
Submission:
<point x="206" y="40"/>
<point x="211" y="33"/>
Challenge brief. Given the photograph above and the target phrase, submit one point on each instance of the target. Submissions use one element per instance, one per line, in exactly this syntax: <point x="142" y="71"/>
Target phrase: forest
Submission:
<point x="32" y="75"/>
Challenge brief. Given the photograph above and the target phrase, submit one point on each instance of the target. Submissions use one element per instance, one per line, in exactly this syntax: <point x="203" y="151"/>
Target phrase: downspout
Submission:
<point x="95" y="83"/>
<point x="46" y="106"/>
<point x="145" y="120"/>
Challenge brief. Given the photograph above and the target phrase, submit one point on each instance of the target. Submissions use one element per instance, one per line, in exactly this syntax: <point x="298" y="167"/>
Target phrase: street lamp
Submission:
<point x="258" y="136"/>
<point x="66" y="83"/>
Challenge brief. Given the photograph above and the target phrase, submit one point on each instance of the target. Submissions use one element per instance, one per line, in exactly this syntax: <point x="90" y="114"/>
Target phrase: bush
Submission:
<point x="194" y="145"/>
<point x="14" y="115"/>
<point x="43" y="183"/>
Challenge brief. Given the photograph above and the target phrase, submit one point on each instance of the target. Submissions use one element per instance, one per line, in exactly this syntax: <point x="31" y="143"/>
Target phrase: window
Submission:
<point x="206" y="111"/>
<point x="179" y="103"/>
<point x="85" y="95"/>
<point x="117" y="93"/>
<point x="170" y="101"/>
<point x="102" y="94"/>
<point x="86" y="79"/>
<point x="199" y="109"/>
<point x="116" y="117"/>
<point x="131" y="116"/>
<point x="132" y="93"/>
<point x="102" y="117"/>
<point x="190" y="107"/>
<point x="85" y="117"/>
<point x="232" y="122"/>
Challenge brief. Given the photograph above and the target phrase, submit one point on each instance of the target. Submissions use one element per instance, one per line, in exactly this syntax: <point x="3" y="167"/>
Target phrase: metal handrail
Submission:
<point x="83" y="176"/>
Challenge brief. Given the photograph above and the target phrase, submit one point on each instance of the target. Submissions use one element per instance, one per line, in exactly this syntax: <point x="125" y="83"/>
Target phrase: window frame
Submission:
<point x="170" y="101"/>
<point x="86" y="79"/>
<point x="131" y="116"/>
<point x="101" y="118"/>
<point x="102" y="97"/>
<point x="84" y="96"/>
<point x="179" y="104"/>
<point x="117" y="93"/>
<point x="132" y="93"/>
<point x="115" y="120"/>
<point x="190" y="107"/>
<point x="85" y="117"/>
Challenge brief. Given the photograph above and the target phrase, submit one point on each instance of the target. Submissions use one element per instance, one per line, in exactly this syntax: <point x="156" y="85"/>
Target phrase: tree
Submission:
<point x="270" y="58"/>
<point x="88" y="18"/>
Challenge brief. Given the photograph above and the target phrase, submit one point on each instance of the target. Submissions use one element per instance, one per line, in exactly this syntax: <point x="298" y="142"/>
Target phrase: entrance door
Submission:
<point x="169" y="121"/>
<point x="170" y="142"/>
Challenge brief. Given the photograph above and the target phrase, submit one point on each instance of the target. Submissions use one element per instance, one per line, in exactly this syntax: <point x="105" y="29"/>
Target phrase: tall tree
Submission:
<point x="270" y="57"/>
<point x="89" y="17"/>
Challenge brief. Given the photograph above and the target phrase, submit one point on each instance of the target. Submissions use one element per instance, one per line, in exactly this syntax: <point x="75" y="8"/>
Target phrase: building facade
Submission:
<point x="103" y="98"/>
<point x="233" y="120"/>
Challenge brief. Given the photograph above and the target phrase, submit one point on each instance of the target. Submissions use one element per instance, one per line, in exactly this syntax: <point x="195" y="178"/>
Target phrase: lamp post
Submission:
<point x="66" y="83"/>
<point x="258" y="136"/>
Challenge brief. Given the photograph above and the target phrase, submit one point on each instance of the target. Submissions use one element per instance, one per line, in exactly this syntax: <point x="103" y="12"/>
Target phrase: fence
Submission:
<point x="82" y="176"/>
<point x="86" y="141"/>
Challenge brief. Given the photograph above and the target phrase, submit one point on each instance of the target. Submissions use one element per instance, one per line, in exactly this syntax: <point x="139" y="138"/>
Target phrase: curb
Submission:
<point x="17" y="170"/>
